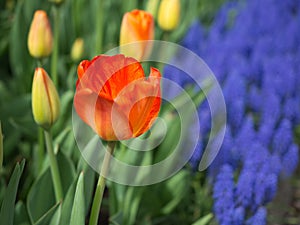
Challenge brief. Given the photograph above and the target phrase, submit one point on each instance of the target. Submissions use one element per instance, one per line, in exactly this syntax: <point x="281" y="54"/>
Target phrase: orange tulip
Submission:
<point x="114" y="97"/>
<point x="137" y="25"/>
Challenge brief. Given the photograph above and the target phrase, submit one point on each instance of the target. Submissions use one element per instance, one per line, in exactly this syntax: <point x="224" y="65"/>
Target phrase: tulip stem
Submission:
<point x="41" y="144"/>
<point x="101" y="184"/>
<point x="99" y="27"/>
<point x="54" y="167"/>
<point x="54" y="58"/>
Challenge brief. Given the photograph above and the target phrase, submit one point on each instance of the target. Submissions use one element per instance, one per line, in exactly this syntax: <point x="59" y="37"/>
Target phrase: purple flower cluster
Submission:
<point x="253" y="48"/>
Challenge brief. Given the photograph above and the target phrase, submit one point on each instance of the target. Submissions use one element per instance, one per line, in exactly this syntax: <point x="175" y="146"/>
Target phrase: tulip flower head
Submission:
<point x="77" y="49"/>
<point x="137" y="26"/>
<point x="114" y="97"/>
<point x="169" y="14"/>
<point x="45" y="99"/>
<point x="40" y="35"/>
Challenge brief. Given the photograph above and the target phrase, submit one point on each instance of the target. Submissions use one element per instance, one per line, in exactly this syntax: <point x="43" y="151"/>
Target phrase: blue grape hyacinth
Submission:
<point x="255" y="55"/>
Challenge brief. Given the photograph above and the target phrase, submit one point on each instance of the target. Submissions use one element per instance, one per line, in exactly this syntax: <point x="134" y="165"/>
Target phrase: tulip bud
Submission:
<point x="1" y="147"/>
<point x="169" y="14"/>
<point x="77" y="49"/>
<point x="152" y="7"/>
<point x="40" y="35"/>
<point x="45" y="100"/>
<point x="137" y="26"/>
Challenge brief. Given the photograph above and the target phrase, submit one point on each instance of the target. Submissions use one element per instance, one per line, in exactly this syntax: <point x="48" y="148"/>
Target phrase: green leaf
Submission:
<point x="21" y="62"/>
<point x="204" y="220"/>
<point x="131" y="204"/>
<point x="116" y="219"/>
<point x="39" y="202"/>
<point x="47" y="217"/>
<point x="67" y="171"/>
<point x="78" y="209"/>
<point x="8" y="204"/>
<point x="56" y="217"/>
<point x="40" y="197"/>
<point x="67" y="205"/>
<point x="21" y="216"/>
<point x="89" y="181"/>
<point x="177" y="187"/>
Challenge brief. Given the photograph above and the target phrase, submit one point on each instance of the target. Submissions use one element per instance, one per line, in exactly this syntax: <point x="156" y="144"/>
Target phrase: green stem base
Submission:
<point x="101" y="185"/>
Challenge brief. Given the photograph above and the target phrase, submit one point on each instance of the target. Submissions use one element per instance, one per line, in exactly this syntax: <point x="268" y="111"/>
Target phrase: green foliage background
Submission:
<point x="183" y="199"/>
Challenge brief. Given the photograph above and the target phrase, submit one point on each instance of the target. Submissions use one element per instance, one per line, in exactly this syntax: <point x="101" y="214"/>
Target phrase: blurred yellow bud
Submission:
<point x="152" y="6"/>
<point x="45" y="100"/>
<point x="137" y="27"/>
<point x="40" y="35"/>
<point x="169" y="14"/>
<point x="77" y="49"/>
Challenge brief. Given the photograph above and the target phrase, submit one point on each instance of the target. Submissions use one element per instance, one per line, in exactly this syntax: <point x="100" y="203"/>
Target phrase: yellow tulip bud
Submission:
<point x="169" y="14"/>
<point x="40" y="35"/>
<point x="77" y="49"/>
<point x="152" y="7"/>
<point x="45" y="100"/>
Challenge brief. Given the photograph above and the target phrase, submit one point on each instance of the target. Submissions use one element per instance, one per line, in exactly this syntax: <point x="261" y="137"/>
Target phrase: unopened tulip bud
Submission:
<point x="169" y="14"/>
<point x="137" y="26"/>
<point x="45" y="99"/>
<point x="77" y="49"/>
<point x="40" y="35"/>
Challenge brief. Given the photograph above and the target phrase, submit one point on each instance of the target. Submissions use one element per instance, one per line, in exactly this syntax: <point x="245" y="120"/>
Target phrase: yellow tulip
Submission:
<point x="169" y="14"/>
<point x="77" y="49"/>
<point x="45" y="99"/>
<point x="40" y="35"/>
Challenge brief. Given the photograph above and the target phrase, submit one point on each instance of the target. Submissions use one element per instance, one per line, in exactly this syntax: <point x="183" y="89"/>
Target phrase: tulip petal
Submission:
<point x="108" y="75"/>
<point x="141" y="101"/>
<point x="98" y="111"/>
<point x="84" y="103"/>
<point x="112" y="124"/>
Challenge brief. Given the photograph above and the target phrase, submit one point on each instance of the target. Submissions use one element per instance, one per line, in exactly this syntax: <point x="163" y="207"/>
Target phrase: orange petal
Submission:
<point x="97" y="112"/>
<point x="140" y="101"/>
<point x="85" y="103"/>
<point x="111" y="122"/>
<point x="107" y="75"/>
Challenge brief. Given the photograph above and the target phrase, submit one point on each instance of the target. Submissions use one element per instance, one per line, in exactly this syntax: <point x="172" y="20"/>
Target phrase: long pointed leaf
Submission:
<point x="78" y="210"/>
<point x="8" y="204"/>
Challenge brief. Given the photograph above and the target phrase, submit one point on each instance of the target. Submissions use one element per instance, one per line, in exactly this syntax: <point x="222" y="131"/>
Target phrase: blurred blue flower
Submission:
<point x="259" y="218"/>
<point x="255" y="57"/>
<point x="223" y="194"/>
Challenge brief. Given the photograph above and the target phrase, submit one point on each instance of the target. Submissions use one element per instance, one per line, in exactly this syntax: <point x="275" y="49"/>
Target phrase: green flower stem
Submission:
<point x="41" y="142"/>
<point x="54" y="167"/>
<point x="101" y="185"/>
<point x="99" y="27"/>
<point x="56" y="15"/>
